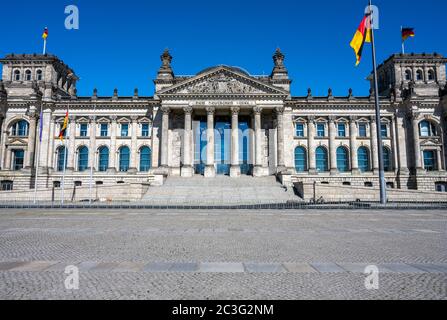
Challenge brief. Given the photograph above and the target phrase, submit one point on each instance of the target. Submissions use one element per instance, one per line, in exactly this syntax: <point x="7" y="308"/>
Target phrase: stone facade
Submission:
<point x="222" y="121"/>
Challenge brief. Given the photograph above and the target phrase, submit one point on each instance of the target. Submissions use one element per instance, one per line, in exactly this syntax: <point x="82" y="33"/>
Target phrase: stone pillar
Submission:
<point x="417" y="144"/>
<point x="187" y="170"/>
<point x="439" y="158"/>
<point x="72" y="144"/>
<point x="92" y="149"/>
<point x="51" y="150"/>
<point x="2" y="134"/>
<point x="30" y="154"/>
<point x="374" y="146"/>
<point x="332" y="145"/>
<point x="280" y="136"/>
<point x="46" y="139"/>
<point x="113" y="157"/>
<point x="134" y="145"/>
<point x="311" y="142"/>
<point x="235" y="170"/>
<point x="8" y="156"/>
<point x="210" y="170"/>
<point x="258" y="142"/>
<point x="401" y="142"/>
<point x="164" y="137"/>
<point x="394" y="143"/>
<point x="353" y="144"/>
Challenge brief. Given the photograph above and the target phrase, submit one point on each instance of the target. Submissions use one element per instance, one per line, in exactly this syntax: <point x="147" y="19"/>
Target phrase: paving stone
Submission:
<point x="327" y="267"/>
<point x="105" y="266"/>
<point x="87" y="265"/>
<point x="264" y="267"/>
<point x="299" y="268"/>
<point x="402" y="268"/>
<point x="34" y="266"/>
<point x="184" y="267"/>
<point x="221" y="267"/>
<point x="5" y="266"/>
<point x="158" y="267"/>
<point x="129" y="267"/>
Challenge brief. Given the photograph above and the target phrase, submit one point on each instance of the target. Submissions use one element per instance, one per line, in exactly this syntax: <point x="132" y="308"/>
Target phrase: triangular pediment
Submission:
<point x="17" y="142"/>
<point x="222" y="81"/>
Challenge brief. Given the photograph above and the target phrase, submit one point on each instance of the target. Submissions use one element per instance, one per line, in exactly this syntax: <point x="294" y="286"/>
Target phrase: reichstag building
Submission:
<point x="222" y="121"/>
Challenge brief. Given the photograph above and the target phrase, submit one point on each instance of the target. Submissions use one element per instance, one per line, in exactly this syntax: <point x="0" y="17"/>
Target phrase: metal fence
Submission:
<point x="396" y="205"/>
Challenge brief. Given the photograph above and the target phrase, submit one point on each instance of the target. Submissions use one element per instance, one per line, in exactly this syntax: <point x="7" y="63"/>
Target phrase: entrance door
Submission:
<point x="222" y="145"/>
<point x="200" y="142"/>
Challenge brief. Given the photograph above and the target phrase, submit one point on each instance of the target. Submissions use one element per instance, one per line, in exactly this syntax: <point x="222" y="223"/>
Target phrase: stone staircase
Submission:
<point x="219" y="191"/>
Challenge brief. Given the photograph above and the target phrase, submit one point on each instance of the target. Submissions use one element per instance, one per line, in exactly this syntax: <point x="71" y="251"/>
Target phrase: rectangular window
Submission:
<point x="341" y="130"/>
<point x="299" y="129"/>
<point x="430" y="160"/>
<point x="83" y="131"/>
<point x="362" y="130"/>
<point x="321" y="130"/>
<point x="124" y="130"/>
<point x="384" y="130"/>
<point x="145" y="130"/>
<point x="104" y="130"/>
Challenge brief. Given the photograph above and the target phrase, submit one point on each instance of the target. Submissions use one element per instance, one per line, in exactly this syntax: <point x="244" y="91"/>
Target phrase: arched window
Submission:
<point x="17" y="75"/>
<point x="82" y="159"/>
<point x="145" y="159"/>
<point x="28" y="75"/>
<point x="321" y="159"/>
<point x="124" y="159"/>
<point x="408" y="76"/>
<point x="300" y="159"/>
<point x="342" y="159"/>
<point x="39" y="75"/>
<point x="103" y="159"/>
<point x="363" y="159"/>
<point x="20" y="129"/>
<point x="431" y="75"/>
<point x="61" y="158"/>
<point x="427" y="129"/>
<point x="19" y="157"/>
<point x="419" y="75"/>
<point x="387" y="159"/>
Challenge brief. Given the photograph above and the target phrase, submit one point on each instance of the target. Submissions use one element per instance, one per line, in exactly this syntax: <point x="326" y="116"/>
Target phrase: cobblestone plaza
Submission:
<point x="307" y="254"/>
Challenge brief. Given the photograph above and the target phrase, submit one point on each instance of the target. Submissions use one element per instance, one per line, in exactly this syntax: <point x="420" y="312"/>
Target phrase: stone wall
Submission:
<point x="332" y="193"/>
<point x="122" y="192"/>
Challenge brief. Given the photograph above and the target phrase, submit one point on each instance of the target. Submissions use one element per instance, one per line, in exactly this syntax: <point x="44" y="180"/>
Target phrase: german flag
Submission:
<point x="64" y="128"/>
<point x="45" y="34"/>
<point x="407" y="33"/>
<point x="362" y="35"/>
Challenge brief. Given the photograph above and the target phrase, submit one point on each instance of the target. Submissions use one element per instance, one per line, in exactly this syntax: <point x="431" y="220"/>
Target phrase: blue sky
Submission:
<point x="119" y="42"/>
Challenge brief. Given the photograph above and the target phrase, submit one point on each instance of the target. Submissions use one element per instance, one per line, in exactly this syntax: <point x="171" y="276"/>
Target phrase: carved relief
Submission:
<point x="221" y="84"/>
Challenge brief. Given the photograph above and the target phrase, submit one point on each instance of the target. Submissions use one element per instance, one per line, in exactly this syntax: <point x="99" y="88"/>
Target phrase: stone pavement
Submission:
<point x="223" y="255"/>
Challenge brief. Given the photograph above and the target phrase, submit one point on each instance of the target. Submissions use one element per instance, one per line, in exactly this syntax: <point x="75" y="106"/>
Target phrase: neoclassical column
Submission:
<point x="439" y="159"/>
<point x="46" y="139"/>
<point x="353" y="144"/>
<point x="30" y="154"/>
<point x="235" y="170"/>
<point x="311" y="144"/>
<point x="401" y="142"/>
<point x="394" y="143"/>
<point x="187" y="168"/>
<point x="332" y="144"/>
<point x="164" y="136"/>
<point x="134" y="145"/>
<point x="280" y="136"/>
<point x="113" y="151"/>
<point x="258" y="142"/>
<point x="92" y="142"/>
<point x="374" y="146"/>
<point x="417" y="144"/>
<point x="72" y="144"/>
<point x="210" y="169"/>
<point x="2" y="134"/>
<point x="51" y="148"/>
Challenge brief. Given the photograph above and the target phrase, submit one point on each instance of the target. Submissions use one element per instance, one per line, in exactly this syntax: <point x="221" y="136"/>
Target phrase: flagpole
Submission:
<point x="383" y="196"/>
<point x="44" y="46"/>
<point x="403" y="42"/>
<point x="38" y="158"/>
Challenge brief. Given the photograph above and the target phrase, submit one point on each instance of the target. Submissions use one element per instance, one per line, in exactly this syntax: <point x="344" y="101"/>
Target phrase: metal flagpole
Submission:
<point x="38" y="157"/>
<point x="92" y="160"/>
<point x="403" y="41"/>
<point x="44" y="46"/>
<point x="383" y="197"/>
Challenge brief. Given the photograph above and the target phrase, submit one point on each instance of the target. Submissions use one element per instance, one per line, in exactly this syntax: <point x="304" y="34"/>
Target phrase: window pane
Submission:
<point x="83" y="159"/>
<point x="300" y="130"/>
<point x="362" y="130"/>
<point x="430" y="160"/>
<point x="124" y="130"/>
<point x="386" y="159"/>
<point x="363" y="159"/>
<point x="384" y="130"/>
<point x="83" y="130"/>
<point x="320" y="130"/>
<point x="321" y="158"/>
<point x="61" y="159"/>
<point x="341" y="130"/>
<point x="342" y="159"/>
<point x="124" y="159"/>
<point x="103" y="159"/>
<point x="19" y="156"/>
<point x="145" y="130"/>
<point x="300" y="159"/>
<point x="145" y="159"/>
